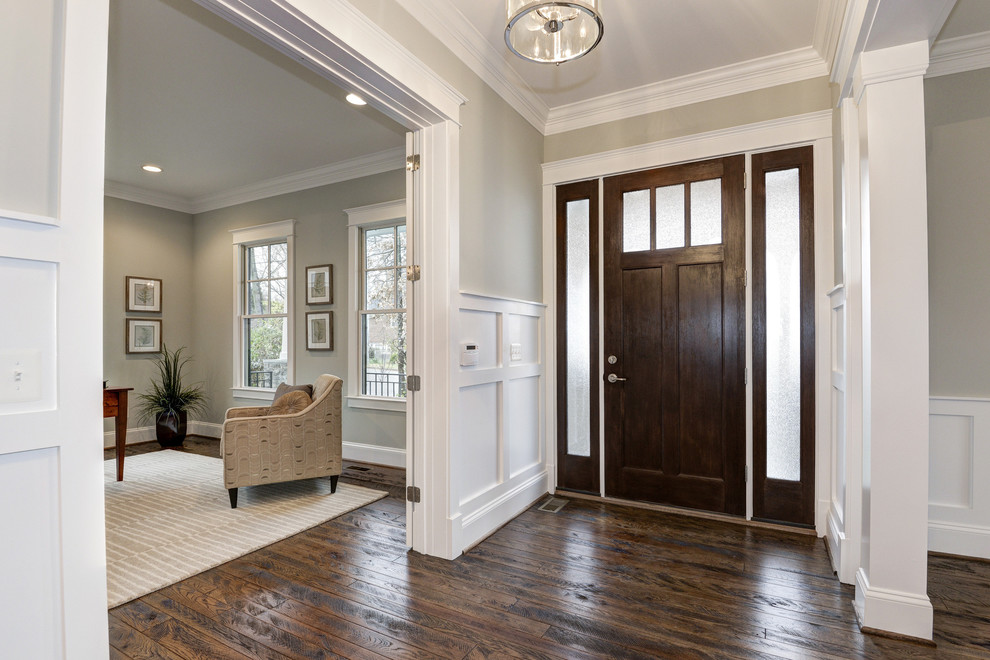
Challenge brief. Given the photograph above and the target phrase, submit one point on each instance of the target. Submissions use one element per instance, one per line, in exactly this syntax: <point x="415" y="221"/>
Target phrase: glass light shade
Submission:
<point x="553" y="32"/>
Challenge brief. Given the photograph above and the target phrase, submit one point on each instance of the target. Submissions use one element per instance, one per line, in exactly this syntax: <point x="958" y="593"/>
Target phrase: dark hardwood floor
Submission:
<point x="592" y="581"/>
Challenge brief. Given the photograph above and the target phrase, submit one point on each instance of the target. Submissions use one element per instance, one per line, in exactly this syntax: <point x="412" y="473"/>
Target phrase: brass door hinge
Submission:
<point x="412" y="163"/>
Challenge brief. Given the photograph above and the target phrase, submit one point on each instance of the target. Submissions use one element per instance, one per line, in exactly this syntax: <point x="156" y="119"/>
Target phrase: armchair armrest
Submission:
<point x="246" y="411"/>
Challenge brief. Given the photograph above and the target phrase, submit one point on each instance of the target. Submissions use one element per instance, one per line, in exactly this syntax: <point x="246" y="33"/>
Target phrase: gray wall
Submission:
<point x="957" y="117"/>
<point x="144" y="241"/>
<point x="760" y="105"/>
<point x="193" y="256"/>
<point x="321" y="237"/>
<point x="500" y="152"/>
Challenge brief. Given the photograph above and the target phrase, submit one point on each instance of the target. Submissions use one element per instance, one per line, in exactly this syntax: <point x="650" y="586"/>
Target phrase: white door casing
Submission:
<point x="338" y="42"/>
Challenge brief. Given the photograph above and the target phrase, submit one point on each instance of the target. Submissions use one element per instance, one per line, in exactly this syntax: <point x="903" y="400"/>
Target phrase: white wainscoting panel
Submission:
<point x="476" y="451"/>
<point x="499" y="406"/>
<point x="836" y="534"/>
<point x="959" y="476"/>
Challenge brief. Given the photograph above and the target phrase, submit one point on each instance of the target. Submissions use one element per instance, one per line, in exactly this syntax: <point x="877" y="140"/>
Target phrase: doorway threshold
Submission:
<point x="691" y="513"/>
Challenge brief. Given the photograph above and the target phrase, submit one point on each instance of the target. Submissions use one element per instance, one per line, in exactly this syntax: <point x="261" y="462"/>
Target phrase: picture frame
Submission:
<point x="319" y="285"/>
<point x="143" y="335"/>
<point x="319" y="331"/>
<point x="143" y="294"/>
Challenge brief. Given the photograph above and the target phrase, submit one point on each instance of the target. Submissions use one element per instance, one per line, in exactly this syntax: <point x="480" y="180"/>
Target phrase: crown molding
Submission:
<point x="760" y="73"/>
<point x="828" y="26"/>
<point x="960" y="54"/>
<point x="445" y="22"/>
<point x="141" y="195"/>
<point x="355" y="168"/>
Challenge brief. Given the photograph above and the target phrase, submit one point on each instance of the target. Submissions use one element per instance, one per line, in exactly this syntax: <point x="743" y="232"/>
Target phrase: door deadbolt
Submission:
<point x="612" y="359"/>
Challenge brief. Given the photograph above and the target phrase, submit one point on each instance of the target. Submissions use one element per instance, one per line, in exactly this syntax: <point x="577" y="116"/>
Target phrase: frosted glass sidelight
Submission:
<point x="783" y="295"/>
<point x="670" y="217"/>
<point x="578" y="274"/>
<point x="636" y="221"/>
<point x="706" y="212"/>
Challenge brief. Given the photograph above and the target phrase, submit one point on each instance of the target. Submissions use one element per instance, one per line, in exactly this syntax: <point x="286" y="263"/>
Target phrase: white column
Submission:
<point x="891" y="583"/>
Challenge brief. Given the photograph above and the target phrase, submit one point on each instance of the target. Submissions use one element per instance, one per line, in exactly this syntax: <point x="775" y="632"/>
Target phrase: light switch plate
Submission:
<point x="20" y="376"/>
<point x="515" y="352"/>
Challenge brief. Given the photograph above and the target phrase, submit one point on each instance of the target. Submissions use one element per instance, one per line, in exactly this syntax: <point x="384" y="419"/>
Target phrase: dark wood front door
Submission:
<point x="675" y="335"/>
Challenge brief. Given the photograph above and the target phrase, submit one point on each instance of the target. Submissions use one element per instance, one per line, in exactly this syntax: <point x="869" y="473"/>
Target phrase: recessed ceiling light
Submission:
<point x="154" y="169"/>
<point x="354" y="99"/>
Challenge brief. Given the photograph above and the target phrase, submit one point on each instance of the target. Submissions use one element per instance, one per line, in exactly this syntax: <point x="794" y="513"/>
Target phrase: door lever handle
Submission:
<point x="612" y="378"/>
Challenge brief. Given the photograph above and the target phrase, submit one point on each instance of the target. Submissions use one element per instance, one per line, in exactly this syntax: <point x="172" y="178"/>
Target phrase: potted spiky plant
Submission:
<point x="169" y="400"/>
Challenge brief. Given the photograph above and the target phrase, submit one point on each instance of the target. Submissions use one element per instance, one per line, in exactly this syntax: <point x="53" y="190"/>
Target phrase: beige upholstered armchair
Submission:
<point x="263" y="448"/>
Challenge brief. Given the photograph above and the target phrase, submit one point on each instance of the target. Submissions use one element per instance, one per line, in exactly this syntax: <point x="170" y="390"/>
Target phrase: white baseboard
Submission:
<point x="141" y="434"/>
<point x="469" y="528"/>
<point x="390" y="456"/>
<point x="956" y="539"/>
<point x="892" y="611"/>
<point x="205" y="429"/>
<point x="134" y="436"/>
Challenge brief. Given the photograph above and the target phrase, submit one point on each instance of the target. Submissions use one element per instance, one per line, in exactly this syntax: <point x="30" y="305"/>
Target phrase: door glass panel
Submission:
<point x="636" y="221"/>
<point x="706" y="212"/>
<point x="783" y="323"/>
<point x="578" y="277"/>
<point x="670" y="217"/>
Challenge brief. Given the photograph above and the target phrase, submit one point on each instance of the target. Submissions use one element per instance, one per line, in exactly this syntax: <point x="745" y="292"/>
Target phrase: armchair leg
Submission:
<point x="233" y="497"/>
<point x="333" y="484"/>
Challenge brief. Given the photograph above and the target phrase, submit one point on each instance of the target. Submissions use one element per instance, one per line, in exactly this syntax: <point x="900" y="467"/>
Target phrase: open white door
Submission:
<point x="52" y="558"/>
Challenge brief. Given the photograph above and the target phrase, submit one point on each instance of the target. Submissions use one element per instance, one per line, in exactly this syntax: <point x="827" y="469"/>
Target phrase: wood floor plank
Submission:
<point x="595" y="580"/>
<point x="127" y="642"/>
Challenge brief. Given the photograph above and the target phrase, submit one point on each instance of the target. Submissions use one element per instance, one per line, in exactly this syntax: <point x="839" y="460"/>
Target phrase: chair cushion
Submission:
<point x="321" y="385"/>
<point x="290" y="403"/>
<point x="284" y="388"/>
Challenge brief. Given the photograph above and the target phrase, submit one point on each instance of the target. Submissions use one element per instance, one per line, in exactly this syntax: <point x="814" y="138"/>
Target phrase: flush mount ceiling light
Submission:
<point x="154" y="169"/>
<point x="354" y="99"/>
<point x="553" y="32"/>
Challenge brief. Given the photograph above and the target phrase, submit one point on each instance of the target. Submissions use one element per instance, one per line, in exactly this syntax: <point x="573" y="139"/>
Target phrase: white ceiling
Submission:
<point x="650" y="40"/>
<point x="218" y="109"/>
<point x="221" y="111"/>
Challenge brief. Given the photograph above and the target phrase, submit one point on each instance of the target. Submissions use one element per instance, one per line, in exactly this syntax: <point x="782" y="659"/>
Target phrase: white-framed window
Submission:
<point x="263" y="296"/>
<point x="377" y="316"/>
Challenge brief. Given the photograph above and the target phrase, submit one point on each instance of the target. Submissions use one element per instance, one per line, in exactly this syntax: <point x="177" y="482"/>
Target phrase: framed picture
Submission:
<point x="319" y="285"/>
<point x="143" y="335"/>
<point x="144" y="294"/>
<point x="319" y="331"/>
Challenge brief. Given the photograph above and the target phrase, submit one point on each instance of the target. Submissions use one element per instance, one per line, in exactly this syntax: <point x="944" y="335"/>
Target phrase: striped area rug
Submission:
<point x="171" y="518"/>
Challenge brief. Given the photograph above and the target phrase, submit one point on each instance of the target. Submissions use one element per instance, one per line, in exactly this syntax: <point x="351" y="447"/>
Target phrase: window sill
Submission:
<point x="376" y="403"/>
<point x="256" y="393"/>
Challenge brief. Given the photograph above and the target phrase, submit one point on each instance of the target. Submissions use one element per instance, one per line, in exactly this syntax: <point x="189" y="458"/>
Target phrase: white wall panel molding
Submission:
<point x="961" y="54"/>
<point x="959" y="492"/>
<point x="800" y="129"/>
<point x="500" y="415"/>
<point x="770" y="71"/>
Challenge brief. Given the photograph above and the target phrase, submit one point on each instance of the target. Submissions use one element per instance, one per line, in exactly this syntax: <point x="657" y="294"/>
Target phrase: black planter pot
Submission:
<point x="170" y="428"/>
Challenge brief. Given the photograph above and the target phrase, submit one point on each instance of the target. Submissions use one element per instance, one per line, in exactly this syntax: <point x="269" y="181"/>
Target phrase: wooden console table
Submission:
<point x="115" y="405"/>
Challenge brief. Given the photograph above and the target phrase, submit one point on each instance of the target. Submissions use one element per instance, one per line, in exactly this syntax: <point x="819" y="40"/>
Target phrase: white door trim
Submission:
<point x="340" y="43"/>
